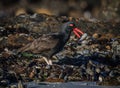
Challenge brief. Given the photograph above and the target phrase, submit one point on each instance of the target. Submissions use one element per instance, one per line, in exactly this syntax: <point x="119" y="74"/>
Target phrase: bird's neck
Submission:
<point x="66" y="36"/>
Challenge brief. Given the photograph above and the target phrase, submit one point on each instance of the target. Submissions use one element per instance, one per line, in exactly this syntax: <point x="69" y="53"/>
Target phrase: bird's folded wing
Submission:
<point x="43" y="43"/>
<point x="56" y="35"/>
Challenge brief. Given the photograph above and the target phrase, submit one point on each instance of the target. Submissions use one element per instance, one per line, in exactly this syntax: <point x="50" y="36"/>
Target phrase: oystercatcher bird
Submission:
<point x="50" y="44"/>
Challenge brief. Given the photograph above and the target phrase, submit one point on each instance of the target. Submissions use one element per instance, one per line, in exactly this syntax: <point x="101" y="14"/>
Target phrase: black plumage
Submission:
<point x="50" y="44"/>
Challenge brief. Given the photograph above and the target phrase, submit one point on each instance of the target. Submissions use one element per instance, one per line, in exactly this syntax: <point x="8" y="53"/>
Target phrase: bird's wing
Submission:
<point x="43" y="43"/>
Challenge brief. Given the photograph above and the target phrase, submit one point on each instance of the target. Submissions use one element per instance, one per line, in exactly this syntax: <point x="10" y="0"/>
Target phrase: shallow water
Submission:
<point x="67" y="85"/>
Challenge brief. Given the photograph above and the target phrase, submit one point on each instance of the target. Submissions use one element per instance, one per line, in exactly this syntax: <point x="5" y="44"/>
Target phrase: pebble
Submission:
<point x="13" y="86"/>
<point x="111" y="74"/>
<point x="83" y="37"/>
<point x="89" y="71"/>
<point x="98" y="70"/>
<point x="100" y="79"/>
<point x="95" y="35"/>
<point x="83" y="43"/>
<point x="108" y="47"/>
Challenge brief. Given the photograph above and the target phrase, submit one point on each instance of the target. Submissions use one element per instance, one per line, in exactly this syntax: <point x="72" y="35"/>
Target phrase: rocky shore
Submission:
<point x="96" y="58"/>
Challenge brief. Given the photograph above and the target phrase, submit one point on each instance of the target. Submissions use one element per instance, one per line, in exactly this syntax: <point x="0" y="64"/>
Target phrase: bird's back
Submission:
<point x="42" y="44"/>
<point x="49" y="44"/>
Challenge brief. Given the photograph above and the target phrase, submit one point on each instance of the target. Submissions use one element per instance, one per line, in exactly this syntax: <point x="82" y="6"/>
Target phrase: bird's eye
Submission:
<point x="71" y="25"/>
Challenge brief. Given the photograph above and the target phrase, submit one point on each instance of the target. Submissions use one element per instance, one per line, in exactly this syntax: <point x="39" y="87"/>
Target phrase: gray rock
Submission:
<point x="112" y="74"/>
<point x="89" y="71"/>
<point x="84" y="36"/>
<point x="98" y="70"/>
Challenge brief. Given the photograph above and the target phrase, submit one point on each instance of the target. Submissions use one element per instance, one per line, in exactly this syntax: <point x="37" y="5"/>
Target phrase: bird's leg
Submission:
<point x="50" y="62"/>
<point x="47" y="61"/>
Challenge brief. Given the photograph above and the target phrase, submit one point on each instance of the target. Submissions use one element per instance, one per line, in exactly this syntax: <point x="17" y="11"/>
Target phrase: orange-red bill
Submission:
<point x="77" y="32"/>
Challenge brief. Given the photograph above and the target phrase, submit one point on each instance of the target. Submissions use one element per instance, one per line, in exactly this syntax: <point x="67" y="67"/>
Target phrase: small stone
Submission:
<point x="13" y="86"/>
<point x="48" y="67"/>
<point x="90" y="62"/>
<point x="84" y="36"/>
<point x="100" y="79"/>
<point x="84" y="42"/>
<point x="95" y="35"/>
<point x="5" y="82"/>
<point x="52" y="75"/>
<point x="98" y="70"/>
<point x="111" y="74"/>
<point x="106" y="69"/>
<point x="86" y="52"/>
<point x="89" y="71"/>
<point x="108" y="47"/>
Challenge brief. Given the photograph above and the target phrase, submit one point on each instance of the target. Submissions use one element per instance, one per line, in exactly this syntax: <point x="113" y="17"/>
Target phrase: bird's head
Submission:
<point x="71" y="26"/>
